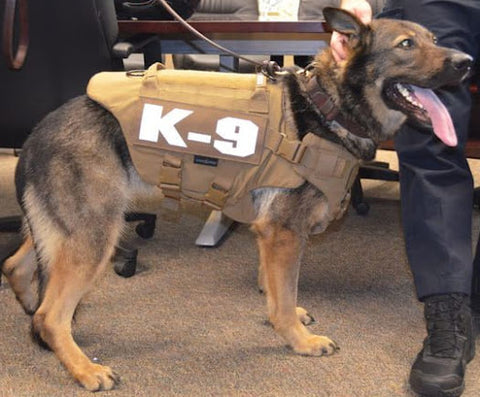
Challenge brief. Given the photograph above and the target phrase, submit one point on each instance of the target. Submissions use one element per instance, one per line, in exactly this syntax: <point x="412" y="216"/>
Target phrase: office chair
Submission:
<point x="153" y="10"/>
<point x="68" y="42"/>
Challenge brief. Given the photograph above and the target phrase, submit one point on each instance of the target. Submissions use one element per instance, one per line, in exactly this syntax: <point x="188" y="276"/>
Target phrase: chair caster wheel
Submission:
<point x="125" y="262"/>
<point x="145" y="229"/>
<point x="146" y="225"/>
<point x="362" y="208"/>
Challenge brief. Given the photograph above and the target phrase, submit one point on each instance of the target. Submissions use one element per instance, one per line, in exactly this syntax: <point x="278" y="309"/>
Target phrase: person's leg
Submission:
<point x="437" y="197"/>
<point x="436" y="183"/>
<point x="437" y="200"/>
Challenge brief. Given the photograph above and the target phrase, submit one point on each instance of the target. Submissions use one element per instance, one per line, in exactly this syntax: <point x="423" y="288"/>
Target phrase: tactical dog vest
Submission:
<point x="214" y="137"/>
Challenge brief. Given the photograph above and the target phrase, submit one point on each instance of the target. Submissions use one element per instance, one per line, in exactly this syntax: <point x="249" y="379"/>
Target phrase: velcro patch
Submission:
<point x="201" y="131"/>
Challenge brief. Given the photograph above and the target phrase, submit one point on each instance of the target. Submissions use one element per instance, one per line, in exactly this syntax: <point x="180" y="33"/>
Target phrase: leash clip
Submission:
<point x="270" y="69"/>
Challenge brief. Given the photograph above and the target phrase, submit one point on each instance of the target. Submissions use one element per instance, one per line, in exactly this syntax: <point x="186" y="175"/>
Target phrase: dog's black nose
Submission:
<point x="461" y="62"/>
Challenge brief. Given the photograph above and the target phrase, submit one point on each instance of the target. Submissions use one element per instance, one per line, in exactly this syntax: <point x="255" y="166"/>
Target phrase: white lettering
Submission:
<point x="198" y="137"/>
<point x="243" y="133"/>
<point x="153" y="123"/>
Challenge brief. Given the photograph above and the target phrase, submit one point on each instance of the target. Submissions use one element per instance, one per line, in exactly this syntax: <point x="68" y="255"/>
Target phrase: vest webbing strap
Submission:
<point x="302" y="152"/>
<point x="218" y="193"/>
<point x="290" y="149"/>
<point x="171" y="184"/>
<point x="171" y="176"/>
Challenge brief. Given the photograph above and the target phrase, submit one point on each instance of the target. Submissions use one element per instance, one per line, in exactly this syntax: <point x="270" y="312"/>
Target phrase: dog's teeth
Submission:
<point x="403" y="91"/>
<point x="406" y="93"/>
<point x="417" y="104"/>
<point x="413" y="101"/>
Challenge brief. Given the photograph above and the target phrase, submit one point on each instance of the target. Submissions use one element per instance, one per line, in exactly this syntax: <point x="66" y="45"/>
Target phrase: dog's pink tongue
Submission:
<point x="441" y="120"/>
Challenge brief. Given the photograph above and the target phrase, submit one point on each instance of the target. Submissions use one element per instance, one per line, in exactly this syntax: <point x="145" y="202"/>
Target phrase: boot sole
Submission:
<point x="433" y="390"/>
<point x="421" y="386"/>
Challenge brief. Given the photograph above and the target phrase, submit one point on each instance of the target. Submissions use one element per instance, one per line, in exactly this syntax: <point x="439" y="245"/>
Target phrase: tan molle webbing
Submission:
<point x="289" y="149"/>
<point x="333" y="171"/>
<point x="217" y="194"/>
<point x="171" y="177"/>
<point x="196" y="170"/>
<point x="326" y="165"/>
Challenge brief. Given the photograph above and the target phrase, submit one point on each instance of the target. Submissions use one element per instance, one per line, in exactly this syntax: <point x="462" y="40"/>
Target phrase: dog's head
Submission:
<point x="391" y="68"/>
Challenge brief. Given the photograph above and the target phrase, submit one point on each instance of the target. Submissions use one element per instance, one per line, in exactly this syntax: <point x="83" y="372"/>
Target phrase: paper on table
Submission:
<point x="278" y="10"/>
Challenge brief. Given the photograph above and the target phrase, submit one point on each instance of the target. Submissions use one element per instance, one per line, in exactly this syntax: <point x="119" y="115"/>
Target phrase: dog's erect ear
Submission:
<point x="343" y="22"/>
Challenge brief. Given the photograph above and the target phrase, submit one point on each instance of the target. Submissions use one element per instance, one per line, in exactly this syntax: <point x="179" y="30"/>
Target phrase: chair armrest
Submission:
<point x="133" y="44"/>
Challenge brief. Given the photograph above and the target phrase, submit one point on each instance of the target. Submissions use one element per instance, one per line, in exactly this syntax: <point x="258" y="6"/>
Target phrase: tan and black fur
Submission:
<point x="75" y="181"/>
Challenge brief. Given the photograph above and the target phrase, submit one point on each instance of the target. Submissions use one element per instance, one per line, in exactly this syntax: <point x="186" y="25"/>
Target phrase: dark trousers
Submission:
<point x="435" y="181"/>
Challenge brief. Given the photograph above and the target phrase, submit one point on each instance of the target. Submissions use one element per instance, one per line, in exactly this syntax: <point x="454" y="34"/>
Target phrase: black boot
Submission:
<point x="450" y="344"/>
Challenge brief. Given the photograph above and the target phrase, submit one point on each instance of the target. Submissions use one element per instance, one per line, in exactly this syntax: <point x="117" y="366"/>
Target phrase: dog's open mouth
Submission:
<point x="425" y="108"/>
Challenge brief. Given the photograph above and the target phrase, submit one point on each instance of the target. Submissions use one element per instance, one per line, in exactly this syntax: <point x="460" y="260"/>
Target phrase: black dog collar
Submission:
<point x="329" y="110"/>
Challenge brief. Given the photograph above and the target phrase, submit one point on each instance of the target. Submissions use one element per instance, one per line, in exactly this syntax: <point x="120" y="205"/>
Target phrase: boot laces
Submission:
<point x="446" y="325"/>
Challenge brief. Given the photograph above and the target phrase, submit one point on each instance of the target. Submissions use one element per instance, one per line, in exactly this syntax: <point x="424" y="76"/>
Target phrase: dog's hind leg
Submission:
<point x="261" y="269"/>
<point x="70" y="274"/>
<point x="280" y="250"/>
<point x="20" y="269"/>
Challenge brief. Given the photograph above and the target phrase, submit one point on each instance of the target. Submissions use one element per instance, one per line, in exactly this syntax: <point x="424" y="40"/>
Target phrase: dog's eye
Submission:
<point x="406" y="43"/>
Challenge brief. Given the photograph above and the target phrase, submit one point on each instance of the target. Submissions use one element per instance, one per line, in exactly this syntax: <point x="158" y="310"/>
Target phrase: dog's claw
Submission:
<point x="335" y="346"/>
<point x="305" y="317"/>
<point x="115" y="377"/>
<point x="98" y="378"/>
<point x="311" y="319"/>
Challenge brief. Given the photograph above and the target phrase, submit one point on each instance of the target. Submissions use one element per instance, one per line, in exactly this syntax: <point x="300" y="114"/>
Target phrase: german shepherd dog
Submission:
<point x="75" y="180"/>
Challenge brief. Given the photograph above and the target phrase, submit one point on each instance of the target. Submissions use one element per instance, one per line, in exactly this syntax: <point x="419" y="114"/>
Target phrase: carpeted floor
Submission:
<point x="192" y="323"/>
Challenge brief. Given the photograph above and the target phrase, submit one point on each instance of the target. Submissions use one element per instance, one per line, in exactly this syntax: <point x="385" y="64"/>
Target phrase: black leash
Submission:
<point x="267" y="67"/>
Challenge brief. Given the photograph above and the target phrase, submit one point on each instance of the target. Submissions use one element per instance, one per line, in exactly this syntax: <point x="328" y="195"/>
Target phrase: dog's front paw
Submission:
<point x="97" y="377"/>
<point x="315" y="345"/>
<point x="304" y="342"/>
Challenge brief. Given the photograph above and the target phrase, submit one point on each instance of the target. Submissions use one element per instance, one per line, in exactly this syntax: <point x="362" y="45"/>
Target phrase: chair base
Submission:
<point x="378" y="170"/>
<point x="11" y="224"/>
<point x="125" y="258"/>
<point x="215" y="228"/>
